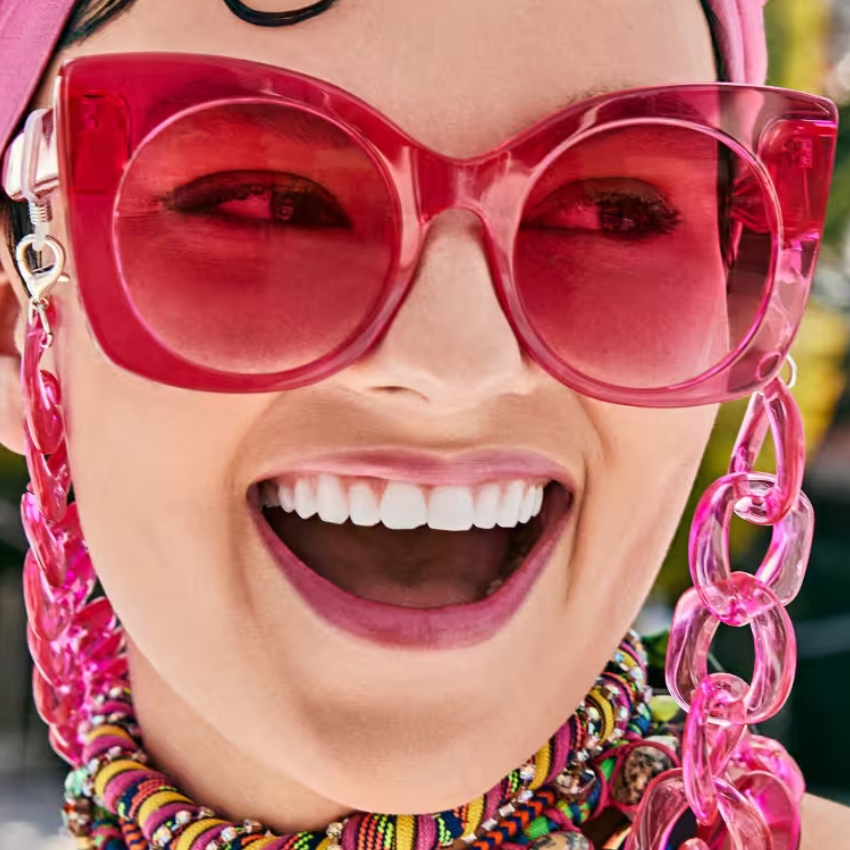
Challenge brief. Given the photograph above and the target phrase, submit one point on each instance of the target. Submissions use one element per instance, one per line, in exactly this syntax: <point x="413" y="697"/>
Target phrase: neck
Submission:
<point x="208" y="767"/>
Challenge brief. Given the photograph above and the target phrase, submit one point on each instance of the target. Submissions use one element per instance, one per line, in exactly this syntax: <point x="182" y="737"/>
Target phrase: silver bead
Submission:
<point x="507" y="810"/>
<point x="489" y="824"/>
<point x="228" y="834"/>
<point x="162" y="836"/>
<point x="183" y="817"/>
<point x="205" y="812"/>
<point x="527" y="772"/>
<point x="334" y="830"/>
<point x="561" y="841"/>
<point x="525" y="795"/>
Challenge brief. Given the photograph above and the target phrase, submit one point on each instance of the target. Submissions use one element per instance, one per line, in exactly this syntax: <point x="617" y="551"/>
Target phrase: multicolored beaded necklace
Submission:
<point x="602" y="757"/>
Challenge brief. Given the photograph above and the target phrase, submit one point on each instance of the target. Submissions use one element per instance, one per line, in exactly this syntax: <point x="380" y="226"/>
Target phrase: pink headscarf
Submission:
<point x="742" y="39"/>
<point x="30" y="29"/>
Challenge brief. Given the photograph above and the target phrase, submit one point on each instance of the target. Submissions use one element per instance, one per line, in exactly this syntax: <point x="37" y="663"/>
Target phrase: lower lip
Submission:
<point x="450" y="627"/>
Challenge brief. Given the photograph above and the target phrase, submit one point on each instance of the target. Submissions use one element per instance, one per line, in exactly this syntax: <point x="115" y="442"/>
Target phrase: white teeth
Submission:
<point x="286" y="495"/>
<point x="305" y="498"/>
<point x="487" y="505"/>
<point x="526" y="508"/>
<point x="493" y="587"/>
<point x="363" y="503"/>
<point x="331" y="501"/>
<point x="508" y="514"/>
<point x="403" y="505"/>
<point x="451" y="508"/>
<point x="538" y="501"/>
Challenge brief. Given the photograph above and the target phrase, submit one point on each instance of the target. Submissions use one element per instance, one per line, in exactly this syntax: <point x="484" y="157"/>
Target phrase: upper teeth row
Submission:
<point x="402" y="505"/>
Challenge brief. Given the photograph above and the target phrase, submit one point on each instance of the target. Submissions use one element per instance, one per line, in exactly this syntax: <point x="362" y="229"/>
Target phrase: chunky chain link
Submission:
<point x="742" y="788"/>
<point x="76" y="643"/>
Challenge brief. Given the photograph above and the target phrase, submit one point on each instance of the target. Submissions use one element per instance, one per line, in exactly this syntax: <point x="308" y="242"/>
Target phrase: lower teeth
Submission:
<point x="493" y="587"/>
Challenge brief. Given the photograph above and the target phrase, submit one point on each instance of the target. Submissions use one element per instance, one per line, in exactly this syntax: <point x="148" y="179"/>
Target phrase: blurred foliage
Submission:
<point x="798" y="40"/>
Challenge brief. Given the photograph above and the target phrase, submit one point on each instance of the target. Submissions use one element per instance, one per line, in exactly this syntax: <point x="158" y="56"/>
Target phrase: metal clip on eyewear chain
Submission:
<point x="740" y="786"/>
<point x="76" y="643"/>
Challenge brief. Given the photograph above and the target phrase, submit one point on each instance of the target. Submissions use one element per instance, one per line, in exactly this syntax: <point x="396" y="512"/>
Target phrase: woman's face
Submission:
<point x="249" y="695"/>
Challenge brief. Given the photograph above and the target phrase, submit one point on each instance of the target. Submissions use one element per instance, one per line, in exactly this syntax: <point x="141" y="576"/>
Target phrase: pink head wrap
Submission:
<point x="742" y="39"/>
<point x="30" y="29"/>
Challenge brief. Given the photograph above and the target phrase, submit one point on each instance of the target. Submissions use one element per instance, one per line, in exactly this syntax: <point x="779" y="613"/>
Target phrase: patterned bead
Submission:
<point x="641" y="766"/>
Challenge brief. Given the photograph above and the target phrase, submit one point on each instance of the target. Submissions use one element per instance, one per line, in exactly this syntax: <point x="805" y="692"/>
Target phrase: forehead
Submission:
<point x="459" y="75"/>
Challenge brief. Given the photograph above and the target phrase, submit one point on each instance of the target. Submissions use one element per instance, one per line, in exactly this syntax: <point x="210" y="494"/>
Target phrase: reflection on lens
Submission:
<point x="638" y="261"/>
<point x="253" y="238"/>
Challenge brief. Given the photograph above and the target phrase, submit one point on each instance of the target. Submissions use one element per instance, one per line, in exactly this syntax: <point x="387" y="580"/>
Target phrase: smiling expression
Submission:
<point x="235" y="660"/>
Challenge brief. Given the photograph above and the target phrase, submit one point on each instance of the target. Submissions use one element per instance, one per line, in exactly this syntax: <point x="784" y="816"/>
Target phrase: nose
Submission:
<point x="450" y="346"/>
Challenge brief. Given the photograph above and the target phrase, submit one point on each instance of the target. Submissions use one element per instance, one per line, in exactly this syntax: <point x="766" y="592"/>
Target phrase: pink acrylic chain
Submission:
<point x="76" y="643"/>
<point x="744" y="790"/>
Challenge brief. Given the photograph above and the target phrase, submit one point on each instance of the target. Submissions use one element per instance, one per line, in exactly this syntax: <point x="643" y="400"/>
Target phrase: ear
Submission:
<point x="12" y="326"/>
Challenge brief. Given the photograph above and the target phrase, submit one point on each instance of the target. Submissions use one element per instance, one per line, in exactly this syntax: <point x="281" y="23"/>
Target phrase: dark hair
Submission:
<point x="90" y="15"/>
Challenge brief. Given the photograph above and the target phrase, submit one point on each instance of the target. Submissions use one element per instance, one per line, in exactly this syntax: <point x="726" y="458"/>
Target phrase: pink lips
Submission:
<point x="452" y="626"/>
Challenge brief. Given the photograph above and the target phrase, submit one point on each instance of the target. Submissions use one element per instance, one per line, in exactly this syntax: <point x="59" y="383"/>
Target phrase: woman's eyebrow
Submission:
<point x="671" y="100"/>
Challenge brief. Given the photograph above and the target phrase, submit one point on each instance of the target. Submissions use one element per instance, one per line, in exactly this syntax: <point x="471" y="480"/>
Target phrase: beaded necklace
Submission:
<point x="602" y="757"/>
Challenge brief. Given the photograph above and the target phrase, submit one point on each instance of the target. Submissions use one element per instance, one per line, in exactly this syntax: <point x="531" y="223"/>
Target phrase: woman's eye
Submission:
<point x="271" y="198"/>
<point x="632" y="210"/>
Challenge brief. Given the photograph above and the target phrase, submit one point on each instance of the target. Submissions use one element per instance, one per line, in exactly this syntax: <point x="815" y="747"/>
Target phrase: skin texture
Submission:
<point x="246" y="698"/>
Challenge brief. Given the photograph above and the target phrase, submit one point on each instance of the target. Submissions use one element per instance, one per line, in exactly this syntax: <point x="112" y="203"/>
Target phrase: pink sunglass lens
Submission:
<point x="253" y="237"/>
<point x="643" y="255"/>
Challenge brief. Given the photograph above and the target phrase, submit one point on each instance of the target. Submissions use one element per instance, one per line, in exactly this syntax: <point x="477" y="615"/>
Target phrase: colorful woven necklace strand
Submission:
<point x="116" y="801"/>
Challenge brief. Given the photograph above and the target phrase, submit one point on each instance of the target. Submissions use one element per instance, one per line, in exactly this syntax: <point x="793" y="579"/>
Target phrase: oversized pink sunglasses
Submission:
<point x="236" y="227"/>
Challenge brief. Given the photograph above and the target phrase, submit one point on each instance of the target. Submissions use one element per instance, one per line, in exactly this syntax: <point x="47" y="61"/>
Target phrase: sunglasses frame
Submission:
<point x="787" y="139"/>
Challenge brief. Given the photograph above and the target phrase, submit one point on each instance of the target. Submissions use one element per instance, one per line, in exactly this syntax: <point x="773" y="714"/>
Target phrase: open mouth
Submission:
<point x="397" y="561"/>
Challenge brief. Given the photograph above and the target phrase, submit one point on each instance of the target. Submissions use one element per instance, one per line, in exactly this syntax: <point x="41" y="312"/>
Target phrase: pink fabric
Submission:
<point x="743" y="39"/>
<point x="29" y="30"/>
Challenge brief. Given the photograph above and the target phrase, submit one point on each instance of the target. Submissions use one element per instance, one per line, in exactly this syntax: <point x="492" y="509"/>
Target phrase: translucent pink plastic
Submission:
<point x="774" y="409"/>
<point x="744" y="790"/>
<point x="238" y="227"/>
<point x="75" y="643"/>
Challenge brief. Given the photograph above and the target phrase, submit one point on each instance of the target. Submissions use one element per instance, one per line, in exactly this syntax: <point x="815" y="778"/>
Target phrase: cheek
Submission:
<point x="151" y="479"/>
<point x="639" y="483"/>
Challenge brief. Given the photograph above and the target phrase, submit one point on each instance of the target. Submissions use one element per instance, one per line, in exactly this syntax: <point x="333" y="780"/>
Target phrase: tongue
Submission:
<point x="418" y="568"/>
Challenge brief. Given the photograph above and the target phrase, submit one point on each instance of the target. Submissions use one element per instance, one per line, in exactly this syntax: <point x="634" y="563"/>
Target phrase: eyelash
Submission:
<point x="649" y="216"/>
<point x="292" y="200"/>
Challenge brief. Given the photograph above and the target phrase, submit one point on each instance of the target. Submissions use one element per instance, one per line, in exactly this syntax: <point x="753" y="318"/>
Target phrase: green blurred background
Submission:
<point x="810" y="50"/>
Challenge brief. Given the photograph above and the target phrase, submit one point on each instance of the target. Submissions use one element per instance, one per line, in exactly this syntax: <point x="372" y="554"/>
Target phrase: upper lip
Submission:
<point x="403" y="464"/>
